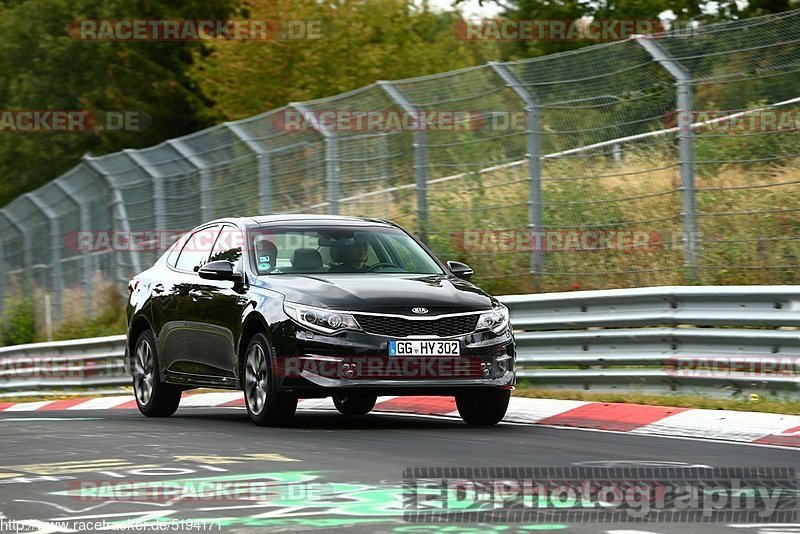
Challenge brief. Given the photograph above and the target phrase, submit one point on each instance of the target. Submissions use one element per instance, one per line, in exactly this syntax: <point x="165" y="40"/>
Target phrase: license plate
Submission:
<point x="421" y="347"/>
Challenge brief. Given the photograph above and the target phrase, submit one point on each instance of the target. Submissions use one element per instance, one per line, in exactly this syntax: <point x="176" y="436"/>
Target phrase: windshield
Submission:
<point x="337" y="250"/>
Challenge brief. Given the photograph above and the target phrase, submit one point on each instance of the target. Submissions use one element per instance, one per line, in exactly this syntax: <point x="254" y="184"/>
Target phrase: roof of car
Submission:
<point x="303" y="218"/>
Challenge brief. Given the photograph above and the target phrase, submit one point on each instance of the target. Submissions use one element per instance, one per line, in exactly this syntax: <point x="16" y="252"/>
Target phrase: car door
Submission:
<point x="177" y="305"/>
<point x="167" y="289"/>
<point x="217" y="306"/>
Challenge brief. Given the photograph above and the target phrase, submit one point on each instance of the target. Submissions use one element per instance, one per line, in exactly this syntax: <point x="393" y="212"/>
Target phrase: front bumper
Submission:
<point x="309" y="363"/>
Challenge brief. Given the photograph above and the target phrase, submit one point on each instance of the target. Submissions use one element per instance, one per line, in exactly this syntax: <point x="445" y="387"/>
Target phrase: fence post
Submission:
<point x="206" y="198"/>
<point x="56" y="241"/>
<point x="157" y="179"/>
<point x="264" y="166"/>
<point x="534" y="153"/>
<point x="85" y="222"/>
<point x="331" y="155"/>
<point x="120" y="214"/>
<point x="683" y="82"/>
<point x="420" y="147"/>
<point x="27" y="239"/>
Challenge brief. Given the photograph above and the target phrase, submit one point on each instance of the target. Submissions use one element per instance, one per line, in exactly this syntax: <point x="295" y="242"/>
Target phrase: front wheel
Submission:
<point x="483" y="408"/>
<point x="153" y="397"/>
<point x="353" y="404"/>
<point x="266" y="406"/>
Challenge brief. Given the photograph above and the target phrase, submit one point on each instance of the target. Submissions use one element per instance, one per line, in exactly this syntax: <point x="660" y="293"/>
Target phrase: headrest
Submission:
<point x="306" y="259"/>
<point x="265" y="245"/>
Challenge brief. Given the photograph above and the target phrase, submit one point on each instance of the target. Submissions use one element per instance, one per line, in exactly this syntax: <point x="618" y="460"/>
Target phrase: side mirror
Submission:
<point x="218" y="270"/>
<point x="461" y="270"/>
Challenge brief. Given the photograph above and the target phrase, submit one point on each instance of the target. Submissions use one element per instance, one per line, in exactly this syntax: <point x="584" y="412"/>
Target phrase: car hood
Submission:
<point x="381" y="292"/>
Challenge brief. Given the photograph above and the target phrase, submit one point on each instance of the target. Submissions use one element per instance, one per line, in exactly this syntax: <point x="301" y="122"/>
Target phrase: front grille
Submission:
<point x="398" y="327"/>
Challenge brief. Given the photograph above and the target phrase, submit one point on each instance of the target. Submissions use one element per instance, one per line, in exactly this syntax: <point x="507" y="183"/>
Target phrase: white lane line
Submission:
<point x="102" y="403"/>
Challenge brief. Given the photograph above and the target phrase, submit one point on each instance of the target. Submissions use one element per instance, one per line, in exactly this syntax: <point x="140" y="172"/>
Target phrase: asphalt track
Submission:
<point x="67" y="471"/>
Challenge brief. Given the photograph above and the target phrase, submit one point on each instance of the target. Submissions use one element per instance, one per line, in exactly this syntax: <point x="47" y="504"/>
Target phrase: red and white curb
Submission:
<point x="747" y="427"/>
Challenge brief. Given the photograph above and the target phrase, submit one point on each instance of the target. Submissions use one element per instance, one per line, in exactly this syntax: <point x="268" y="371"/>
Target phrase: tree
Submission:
<point x="43" y="68"/>
<point x="361" y="42"/>
<point x="682" y="11"/>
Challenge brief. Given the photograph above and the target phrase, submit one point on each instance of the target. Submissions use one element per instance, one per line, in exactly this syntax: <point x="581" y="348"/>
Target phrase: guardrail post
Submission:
<point x="264" y="166"/>
<point x="534" y="154"/>
<point x="85" y="223"/>
<point x="683" y="82"/>
<point x="157" y="179"/>
<point x="56" y="272"/>
<point x="206" y="199"/>
<point x="331" y="155"/>
<point x="420" y="147"/>
<point x="120" y="214"/>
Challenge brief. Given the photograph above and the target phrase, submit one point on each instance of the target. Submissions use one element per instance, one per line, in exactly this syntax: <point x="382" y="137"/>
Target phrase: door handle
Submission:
<point x="198" y="294"/>
<point x="158" y="288"/>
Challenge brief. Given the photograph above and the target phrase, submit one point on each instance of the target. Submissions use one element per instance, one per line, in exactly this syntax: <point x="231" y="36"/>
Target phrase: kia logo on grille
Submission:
<point x="419" y="310"/>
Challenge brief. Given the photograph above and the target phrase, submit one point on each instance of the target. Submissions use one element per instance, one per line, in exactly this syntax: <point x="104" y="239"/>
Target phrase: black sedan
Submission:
<point x="298" y="306"/>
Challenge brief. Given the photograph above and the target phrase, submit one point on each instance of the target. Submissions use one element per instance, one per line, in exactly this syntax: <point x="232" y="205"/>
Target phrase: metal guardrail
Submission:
<point x="709" y="339"/>
<point x="76" y="366"/>
<point x="706" y="339"/>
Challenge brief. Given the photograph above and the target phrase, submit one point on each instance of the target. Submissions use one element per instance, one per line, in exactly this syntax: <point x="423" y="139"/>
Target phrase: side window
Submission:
<point x="197" y="249"/>
<point x="175" y="250"/>
<point x="228" y="246"/>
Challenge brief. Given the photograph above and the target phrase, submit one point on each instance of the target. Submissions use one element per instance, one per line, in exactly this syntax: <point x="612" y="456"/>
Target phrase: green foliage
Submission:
<point x="361" y="42"/>
<point x="18" y="321"/>
<point x="109" y="321"/>
<point x="45" y="69"/>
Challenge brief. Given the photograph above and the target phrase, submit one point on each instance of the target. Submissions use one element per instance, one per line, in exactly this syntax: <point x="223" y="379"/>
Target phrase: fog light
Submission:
<point x="486" y="369"/>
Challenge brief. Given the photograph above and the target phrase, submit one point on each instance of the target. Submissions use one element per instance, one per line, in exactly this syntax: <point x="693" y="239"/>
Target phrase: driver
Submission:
<point x="353" y="257"/>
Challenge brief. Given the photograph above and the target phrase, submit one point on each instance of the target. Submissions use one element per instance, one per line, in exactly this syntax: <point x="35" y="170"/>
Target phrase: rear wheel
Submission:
<point x="484" y="407"/>
<point x="354" y="404"/>
<point x="153" y="397"/>
<point x="266" y="406"/>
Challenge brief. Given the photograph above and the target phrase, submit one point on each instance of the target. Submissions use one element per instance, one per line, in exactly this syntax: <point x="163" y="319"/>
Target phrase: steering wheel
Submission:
<point x="377" y="266"/>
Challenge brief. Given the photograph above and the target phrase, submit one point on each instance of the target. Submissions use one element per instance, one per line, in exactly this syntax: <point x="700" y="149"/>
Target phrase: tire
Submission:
<point x="483" y="408"/>
<point x="266" y="406"/>
<point x="153" y="397"/>
<point x="354" y="404"/>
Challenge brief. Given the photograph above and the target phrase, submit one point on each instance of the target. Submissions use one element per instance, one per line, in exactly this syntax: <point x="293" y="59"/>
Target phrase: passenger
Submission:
<point x="266" y="255"/>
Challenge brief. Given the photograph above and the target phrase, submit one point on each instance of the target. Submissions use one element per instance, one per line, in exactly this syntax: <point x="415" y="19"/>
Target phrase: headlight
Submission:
<point x="320" y="319"/>
<point x="495" y="320"/>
